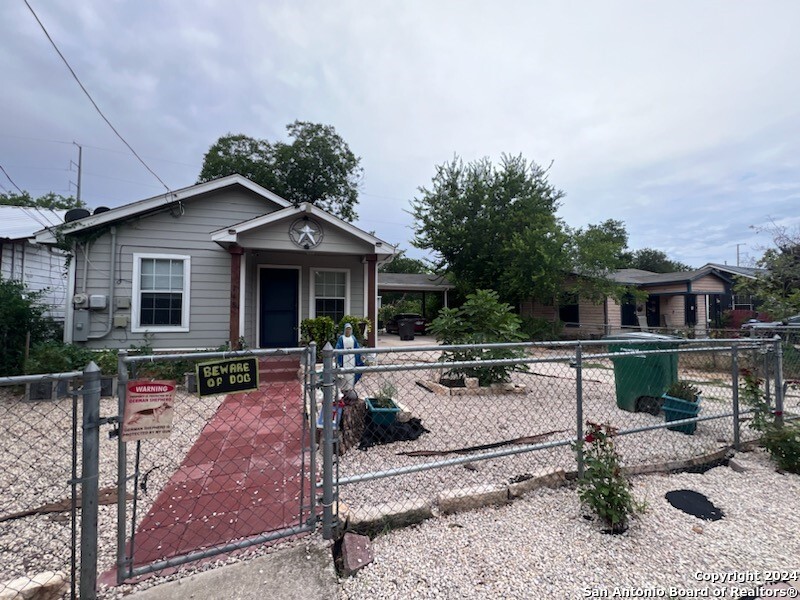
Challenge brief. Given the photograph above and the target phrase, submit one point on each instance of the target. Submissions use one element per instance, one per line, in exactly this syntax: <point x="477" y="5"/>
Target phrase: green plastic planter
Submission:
<point x="382" y="416"/>
<point x="676" y="409"/>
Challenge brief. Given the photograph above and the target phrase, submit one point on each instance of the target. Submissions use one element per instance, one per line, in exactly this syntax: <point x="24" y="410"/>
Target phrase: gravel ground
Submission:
<point x="547" y="406"/>
<point x="541" y="547"/>
<point x="35" y="468"/>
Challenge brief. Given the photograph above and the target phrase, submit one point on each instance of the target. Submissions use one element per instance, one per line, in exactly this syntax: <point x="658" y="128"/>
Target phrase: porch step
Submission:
<point x="278" y="369"/>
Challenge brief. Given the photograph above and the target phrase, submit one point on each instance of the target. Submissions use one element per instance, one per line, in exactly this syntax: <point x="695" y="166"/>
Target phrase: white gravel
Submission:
<point x="549" y="405"/>
<point x="541" y="547"/>
<point x="35" y="468"/>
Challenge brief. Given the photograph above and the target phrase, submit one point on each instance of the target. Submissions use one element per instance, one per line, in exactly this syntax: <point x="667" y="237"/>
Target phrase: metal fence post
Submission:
<point x="735" y="383"/>
<point x="767" y="387"/>
<point x="579" y="404"/>
<point x="90" y="466"/>
<point x="311" y="357"/>
<point x="123" y="565"/>
<point x="327" y="442"/>
<point x="778" y="381"/>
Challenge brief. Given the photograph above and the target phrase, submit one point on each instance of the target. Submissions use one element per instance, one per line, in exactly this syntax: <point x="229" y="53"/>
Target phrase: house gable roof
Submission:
<point x="749" y="272"/>
<point x="160" y="202"/>
<point x="643" y="278"/>
<point x="230" y="234"/>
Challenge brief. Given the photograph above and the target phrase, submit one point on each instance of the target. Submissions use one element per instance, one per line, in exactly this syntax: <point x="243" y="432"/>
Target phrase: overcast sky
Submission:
<point x="679" y="118"/>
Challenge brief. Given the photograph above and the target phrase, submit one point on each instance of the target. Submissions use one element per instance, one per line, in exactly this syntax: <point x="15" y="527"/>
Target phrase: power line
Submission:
<point x="89" y="96"/>
<point x="11" y="180"/>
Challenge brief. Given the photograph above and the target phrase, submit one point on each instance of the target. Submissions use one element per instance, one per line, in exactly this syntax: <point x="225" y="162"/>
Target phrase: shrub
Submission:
<point x="603" y="487"/>
<point x="482" y="319"/>
<point x="537" y="329"/>
<point x="22" y="321"/>
<point x="781" y="440"/>
<point x="320" y="330"/>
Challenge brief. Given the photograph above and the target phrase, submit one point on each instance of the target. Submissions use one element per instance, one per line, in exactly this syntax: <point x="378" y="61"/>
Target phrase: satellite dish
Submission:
<point x="100" y="209"/>
<point x="74" y="214"/>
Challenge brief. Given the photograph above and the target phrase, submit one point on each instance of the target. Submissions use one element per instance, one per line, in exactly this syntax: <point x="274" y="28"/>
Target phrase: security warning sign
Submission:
<point x="148" y="410"/>
<point x="227" y="376"/>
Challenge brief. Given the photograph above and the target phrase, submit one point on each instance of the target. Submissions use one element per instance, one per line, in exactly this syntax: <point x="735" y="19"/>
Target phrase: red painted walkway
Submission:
<point x="241" y="478"/>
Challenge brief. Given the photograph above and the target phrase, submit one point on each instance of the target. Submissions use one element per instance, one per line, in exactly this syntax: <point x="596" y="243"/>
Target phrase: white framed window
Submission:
<point x="331" y="293"/>
<point x="160" y="292"/>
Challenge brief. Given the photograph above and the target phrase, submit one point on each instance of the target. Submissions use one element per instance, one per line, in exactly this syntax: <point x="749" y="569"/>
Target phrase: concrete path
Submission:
<point x="300" y="573"/>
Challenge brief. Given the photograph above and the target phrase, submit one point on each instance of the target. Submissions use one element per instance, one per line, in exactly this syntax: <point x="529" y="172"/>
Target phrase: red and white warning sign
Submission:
<point x="148" y="410"/>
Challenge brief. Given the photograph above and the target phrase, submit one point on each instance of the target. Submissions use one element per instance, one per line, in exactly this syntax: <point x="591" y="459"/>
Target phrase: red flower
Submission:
<point x="589" y="438"/>
<point x="777" y="413"/>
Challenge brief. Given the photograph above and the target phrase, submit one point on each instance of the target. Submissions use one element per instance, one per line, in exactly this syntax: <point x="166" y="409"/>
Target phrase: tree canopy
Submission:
<point x="777" y="286"/>
<point x="316" y="166"/>
<point x="51" y="200"/>
<point x="495" y="227"/>
<point x="404" y="264"/>
<point x="650" y="259"/>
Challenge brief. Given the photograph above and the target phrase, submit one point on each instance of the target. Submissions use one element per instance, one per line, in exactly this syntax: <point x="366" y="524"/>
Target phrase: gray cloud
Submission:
<point x="678" y="118"/>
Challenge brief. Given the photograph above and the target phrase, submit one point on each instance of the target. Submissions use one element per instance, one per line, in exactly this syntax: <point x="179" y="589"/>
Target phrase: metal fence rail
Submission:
<point x="480" y="436"/>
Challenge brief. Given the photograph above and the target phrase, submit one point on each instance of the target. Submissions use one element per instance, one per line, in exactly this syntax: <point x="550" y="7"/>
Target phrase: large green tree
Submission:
<point x="50" y="200"/>
<point x="650" y="259"/>
<point x="315" y="166"/>
<point x="777" y="284"/>
<point x="495" y="227"/>
<point x="404" y="264"/>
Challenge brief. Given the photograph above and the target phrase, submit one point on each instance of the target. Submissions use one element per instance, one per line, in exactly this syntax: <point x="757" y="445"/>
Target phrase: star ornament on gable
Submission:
<point x="306" y="233"/>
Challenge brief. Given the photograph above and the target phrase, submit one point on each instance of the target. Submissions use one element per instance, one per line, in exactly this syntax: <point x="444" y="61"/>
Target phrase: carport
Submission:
<point x="414" y="283"/>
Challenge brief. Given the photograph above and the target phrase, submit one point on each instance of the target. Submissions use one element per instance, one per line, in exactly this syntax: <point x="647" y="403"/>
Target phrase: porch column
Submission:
<point x="372" y="297"/>
<point x="236" y="252"/>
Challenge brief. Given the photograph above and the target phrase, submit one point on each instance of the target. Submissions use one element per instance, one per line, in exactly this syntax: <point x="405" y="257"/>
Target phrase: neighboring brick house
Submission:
<point x="682" y="300"/>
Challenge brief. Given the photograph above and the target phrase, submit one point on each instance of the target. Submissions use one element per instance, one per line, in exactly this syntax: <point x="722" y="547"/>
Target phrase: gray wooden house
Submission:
<point x="214" y="262"/>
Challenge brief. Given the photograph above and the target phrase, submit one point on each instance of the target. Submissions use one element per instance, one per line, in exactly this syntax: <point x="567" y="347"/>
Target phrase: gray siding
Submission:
<point x="162" y="233"/>
<point x="40" y="269"/>
<point x="276" y="237"/>
<point x="210" y="274"/>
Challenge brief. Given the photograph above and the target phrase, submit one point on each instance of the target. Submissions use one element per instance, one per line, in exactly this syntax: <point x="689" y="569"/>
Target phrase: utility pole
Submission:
<point x="737" y="253"/>
<point x="79" y="165"/>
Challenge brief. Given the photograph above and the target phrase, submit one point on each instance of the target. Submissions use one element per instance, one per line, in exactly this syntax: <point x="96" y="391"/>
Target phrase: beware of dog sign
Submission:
<point x="148" y="410"/>
<point x="227" y="376"/>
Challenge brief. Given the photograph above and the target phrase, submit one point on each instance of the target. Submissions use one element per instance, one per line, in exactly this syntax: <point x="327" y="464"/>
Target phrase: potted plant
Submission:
<point x="382" y="407"/>
<point x="682" y="401"/>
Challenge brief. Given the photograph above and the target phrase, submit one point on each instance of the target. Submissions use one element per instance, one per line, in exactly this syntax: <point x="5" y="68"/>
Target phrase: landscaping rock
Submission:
<point x="390" y="514"/>
<point x="44" y="586"/>
<point x="356" y="553"/>
<point x="736" y="466"/>
<point x="542" y="478"/>
<point x="452" y="501"/>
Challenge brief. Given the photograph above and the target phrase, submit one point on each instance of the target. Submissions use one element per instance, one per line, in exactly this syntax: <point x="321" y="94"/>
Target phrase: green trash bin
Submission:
<point x="641" y="379"/>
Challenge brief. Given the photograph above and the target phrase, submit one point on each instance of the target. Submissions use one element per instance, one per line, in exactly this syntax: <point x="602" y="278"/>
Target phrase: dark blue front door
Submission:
<point x="278" y="308"/>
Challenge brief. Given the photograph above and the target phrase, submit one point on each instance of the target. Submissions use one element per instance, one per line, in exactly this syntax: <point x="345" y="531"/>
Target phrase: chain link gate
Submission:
<point x="237" y="470"/>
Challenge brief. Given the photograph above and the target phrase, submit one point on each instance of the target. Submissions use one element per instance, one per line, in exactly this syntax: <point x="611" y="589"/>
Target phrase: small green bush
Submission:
<point x="320" y="330"/>
<point x="22" y="320"/>
<point x="684" y="390"/>
<point x="482" y="319"/>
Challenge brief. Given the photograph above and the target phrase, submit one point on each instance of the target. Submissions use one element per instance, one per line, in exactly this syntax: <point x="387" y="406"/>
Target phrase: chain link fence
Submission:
<point x="236" y="469"/>
<point x="40" y="444"/>
<point x="456" y="434"/>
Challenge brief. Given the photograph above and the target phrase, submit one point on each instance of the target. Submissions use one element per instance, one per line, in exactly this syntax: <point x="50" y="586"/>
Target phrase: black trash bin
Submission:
<point x="405" y="327"/>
